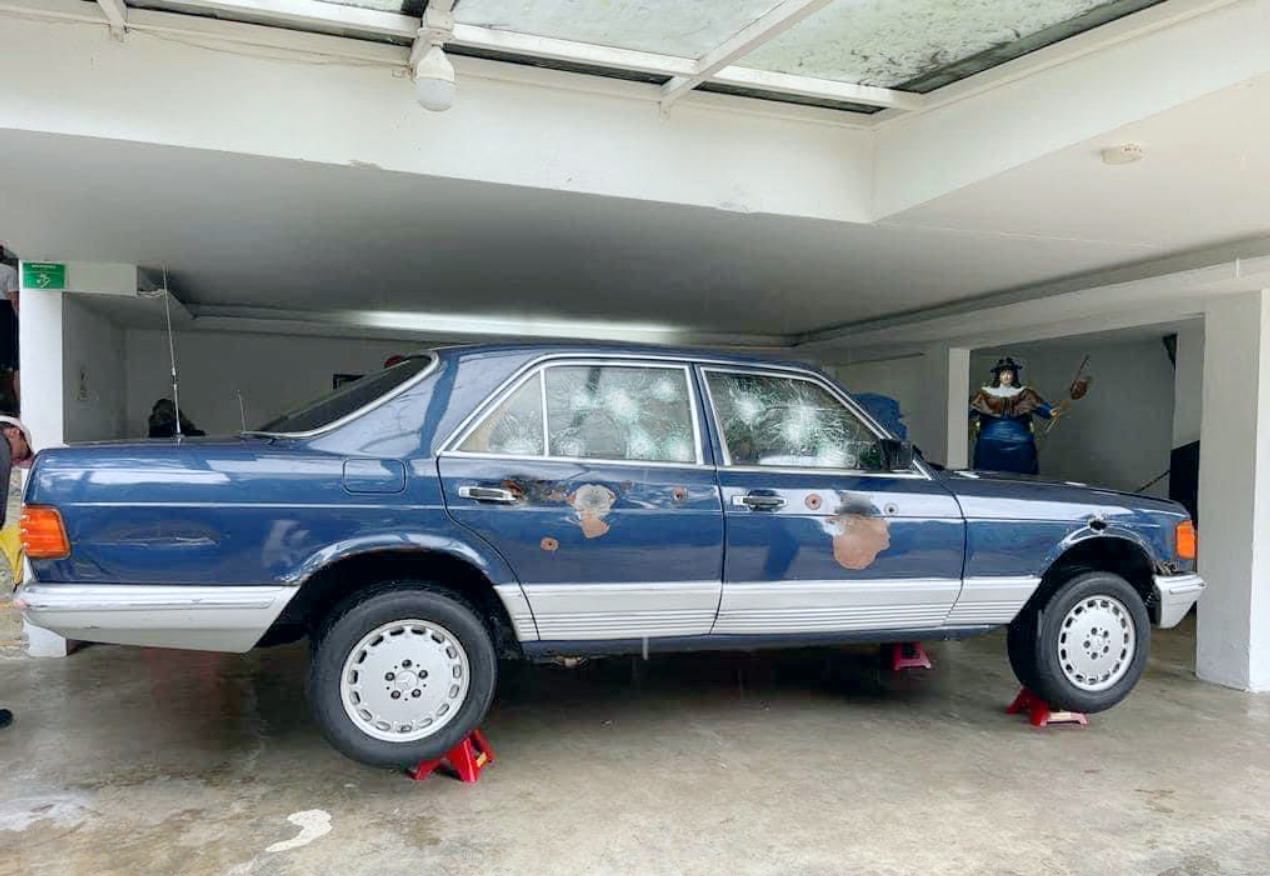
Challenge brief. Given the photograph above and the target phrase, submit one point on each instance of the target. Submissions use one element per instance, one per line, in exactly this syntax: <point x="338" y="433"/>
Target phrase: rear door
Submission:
<point x="592" y="478"/>
<point x="820" y="538"/>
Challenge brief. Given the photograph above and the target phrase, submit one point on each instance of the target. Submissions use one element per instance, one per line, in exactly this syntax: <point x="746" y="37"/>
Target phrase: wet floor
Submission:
<point x="131" y="761"/>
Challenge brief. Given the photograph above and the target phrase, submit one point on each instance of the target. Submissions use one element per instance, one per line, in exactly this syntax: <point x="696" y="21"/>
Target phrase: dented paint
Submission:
<point x="592" y="503"/>
<point x="858" y="534"/>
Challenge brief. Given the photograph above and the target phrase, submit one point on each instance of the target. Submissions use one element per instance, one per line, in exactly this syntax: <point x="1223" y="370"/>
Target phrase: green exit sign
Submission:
<point x="43" y="275"/>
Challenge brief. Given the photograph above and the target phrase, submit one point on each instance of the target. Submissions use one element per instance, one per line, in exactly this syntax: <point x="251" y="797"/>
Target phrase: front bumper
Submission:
<point x="162" y="616"/>
<point x="1175" y="594"/>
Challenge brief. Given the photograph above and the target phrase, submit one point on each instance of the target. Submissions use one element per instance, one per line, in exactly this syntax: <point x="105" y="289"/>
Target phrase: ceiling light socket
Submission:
<point x="1125" y="153"/>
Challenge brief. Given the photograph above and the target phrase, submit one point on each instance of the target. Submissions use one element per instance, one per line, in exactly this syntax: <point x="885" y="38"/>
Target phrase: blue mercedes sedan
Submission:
<point x="562" y="500"/>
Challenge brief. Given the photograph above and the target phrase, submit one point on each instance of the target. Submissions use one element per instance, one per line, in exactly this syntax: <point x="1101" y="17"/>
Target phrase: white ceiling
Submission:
<point x="239" y="230"/>
<point x="1205" y="180"/>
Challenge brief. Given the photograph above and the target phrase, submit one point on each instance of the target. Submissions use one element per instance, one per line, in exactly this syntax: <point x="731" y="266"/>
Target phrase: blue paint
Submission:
<point x="263" y="510"/>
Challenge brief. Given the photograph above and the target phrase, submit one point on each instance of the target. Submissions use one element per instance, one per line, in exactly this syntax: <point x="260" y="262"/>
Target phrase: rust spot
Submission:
<point x="812" y="501"/>
<point x="858" y="535"/>
<point x="592" y="503"/>
<point x="549" y="544"/>
<point x="678" y="493"/>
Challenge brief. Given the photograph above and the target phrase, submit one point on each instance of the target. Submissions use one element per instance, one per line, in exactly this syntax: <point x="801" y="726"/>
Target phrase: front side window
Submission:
<point x="784" y="421"/>
<point x="599" y="411"/>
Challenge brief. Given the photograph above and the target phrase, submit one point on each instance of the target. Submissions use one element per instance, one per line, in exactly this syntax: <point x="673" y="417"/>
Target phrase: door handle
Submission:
<point x="759" y="502"/>
<point x="488" y="494"/>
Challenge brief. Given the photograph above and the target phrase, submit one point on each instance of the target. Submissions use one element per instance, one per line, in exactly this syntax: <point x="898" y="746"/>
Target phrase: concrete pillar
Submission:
<point x="939" y="425"/>
<point x="1188" y="385"/>
<point x="40" y="349"/>
<point x="1233" y="647"/>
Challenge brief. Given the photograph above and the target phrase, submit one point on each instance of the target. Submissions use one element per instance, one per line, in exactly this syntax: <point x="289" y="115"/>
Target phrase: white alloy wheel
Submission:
<point x="1096" y="643"/>
<point x="404" y="680"/>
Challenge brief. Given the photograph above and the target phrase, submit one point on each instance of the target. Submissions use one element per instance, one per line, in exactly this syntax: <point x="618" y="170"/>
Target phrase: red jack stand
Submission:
<point x="908" y="655"/>
<point x="1040" y="714"/>
<point x="467" y="759"/>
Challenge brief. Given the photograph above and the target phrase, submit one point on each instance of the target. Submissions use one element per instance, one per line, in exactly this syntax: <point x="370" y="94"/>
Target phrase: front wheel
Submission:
<point x="1085" y="647"/>
<point x="401" y="674"/>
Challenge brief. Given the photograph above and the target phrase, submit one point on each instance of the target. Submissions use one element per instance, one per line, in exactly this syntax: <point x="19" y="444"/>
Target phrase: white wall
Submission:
<point x="94" y="382"/>
<point x="274" y="373"/>
<point x="1121" y="434"/>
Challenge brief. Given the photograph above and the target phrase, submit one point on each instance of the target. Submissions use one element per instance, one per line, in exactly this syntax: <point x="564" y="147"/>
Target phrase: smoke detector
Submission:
<point x="1125" y="153"/>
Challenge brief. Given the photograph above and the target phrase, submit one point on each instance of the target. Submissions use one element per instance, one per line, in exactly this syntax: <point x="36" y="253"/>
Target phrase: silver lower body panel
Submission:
<point x="163" y="616"/>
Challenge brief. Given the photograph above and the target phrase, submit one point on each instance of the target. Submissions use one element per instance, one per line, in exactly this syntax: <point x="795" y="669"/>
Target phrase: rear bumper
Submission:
<point x="1175" y="594"/>
<point x="198" y="618"/>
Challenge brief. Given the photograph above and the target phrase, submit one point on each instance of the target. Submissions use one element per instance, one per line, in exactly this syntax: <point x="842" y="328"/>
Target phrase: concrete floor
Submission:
<point x="141" y="762"/>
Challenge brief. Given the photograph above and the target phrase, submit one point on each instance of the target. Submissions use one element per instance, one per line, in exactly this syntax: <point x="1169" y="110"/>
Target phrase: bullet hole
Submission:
<point x="549" y="544"/>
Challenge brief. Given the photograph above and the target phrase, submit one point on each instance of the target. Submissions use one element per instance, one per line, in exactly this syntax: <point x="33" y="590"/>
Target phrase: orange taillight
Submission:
<point x="43" y="535"/>
<point x="1184" y="541"/>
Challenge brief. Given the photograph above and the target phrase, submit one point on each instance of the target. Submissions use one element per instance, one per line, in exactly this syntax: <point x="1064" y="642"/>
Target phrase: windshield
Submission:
<point x="349" y="398"/>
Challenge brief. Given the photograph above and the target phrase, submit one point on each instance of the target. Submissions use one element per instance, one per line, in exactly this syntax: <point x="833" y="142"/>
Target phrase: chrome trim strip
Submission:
<point x="917" y="472"/>
<point x="513" y="598"/>
<point x="623" y="610"/>
<point x="1176" y="594"/>
<point x="165" y="616"/>
<point x="364" y="409"/>
<point x="540" y="367"/>
<point x="766" y="607"/>
<point x="991" y="600"/>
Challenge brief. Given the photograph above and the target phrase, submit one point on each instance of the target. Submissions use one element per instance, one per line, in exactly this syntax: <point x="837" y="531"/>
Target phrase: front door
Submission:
<point x="592" y="480"/>
<point x="821" y="539"/>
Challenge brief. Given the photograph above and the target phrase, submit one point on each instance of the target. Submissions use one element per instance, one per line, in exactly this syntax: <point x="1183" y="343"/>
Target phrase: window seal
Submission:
<point x="847" y="402"/>
<point x="540" y="367"/>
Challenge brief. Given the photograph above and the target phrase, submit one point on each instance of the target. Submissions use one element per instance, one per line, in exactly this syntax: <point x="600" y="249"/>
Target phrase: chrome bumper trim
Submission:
<point x="163" y="616"/>
<point x="1175" y="595"/>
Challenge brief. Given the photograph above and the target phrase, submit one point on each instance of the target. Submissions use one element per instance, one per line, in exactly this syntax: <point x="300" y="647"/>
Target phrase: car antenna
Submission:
<point x="242" y="409"/>
<point x="176" y="383"/>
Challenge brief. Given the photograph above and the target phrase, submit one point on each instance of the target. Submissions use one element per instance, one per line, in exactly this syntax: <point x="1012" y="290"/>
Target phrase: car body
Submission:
<point x="578" y="500"/>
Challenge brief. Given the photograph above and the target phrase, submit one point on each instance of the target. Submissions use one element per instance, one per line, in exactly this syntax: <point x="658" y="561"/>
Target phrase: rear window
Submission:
<point x="349" y="398"/>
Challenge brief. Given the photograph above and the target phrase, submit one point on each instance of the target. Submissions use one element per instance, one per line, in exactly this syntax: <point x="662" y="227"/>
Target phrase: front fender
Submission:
<point x="1085" y="534"/>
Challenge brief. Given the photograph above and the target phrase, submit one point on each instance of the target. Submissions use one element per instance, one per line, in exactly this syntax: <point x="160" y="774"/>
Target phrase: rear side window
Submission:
<point x="768" y="420"/>
<point x="614" y="412"/>
<point x="514" y="428"/>
<point x="348" y="399"/>
<point x="619" y="412"/>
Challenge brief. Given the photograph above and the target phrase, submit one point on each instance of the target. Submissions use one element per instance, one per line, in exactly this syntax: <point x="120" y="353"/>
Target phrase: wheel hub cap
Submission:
<point x="404" y="680"/>
<point x="1096" y="643"/>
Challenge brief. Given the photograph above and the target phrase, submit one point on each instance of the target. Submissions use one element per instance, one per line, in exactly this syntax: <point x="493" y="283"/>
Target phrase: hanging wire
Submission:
<point x="176" y="384"/>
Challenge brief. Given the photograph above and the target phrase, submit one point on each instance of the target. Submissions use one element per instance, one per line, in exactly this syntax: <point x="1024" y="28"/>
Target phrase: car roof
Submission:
<point x="535" y="350"/>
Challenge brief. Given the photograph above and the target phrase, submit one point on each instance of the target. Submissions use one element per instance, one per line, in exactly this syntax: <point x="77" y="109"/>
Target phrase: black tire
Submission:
<point x="1022" y="644"/>
<point x="1034" y="643"/>
<point x="354" y="619"/>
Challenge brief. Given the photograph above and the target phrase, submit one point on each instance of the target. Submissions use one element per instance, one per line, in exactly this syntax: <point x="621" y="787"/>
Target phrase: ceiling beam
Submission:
<point x="768" y="26"/>
<point x="116" y="14"/>
<point x="318" y="16"/>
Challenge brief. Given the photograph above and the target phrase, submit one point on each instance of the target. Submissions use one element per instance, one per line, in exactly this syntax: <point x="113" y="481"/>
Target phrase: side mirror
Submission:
<point x="896" y="455"/>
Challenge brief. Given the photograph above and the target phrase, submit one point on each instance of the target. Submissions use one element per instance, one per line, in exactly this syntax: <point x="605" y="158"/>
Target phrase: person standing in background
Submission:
<point x="15" y="451"/>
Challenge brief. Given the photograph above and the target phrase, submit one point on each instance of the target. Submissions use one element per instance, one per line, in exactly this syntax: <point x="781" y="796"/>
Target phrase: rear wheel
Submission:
<point x="401" y="674"/>
<point x="1085" y="647"/>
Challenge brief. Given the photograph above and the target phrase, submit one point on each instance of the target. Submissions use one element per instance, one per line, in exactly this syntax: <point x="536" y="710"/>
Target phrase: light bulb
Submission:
<point x="434" y="80"/>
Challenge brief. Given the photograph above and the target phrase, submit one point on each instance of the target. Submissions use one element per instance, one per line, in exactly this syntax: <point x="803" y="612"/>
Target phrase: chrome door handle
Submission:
<point x="759" y="502"/>
<point x="488" y="494"/>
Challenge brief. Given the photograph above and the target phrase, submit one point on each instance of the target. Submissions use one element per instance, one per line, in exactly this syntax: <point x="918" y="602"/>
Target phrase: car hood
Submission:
<point x="989" y="494"/>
